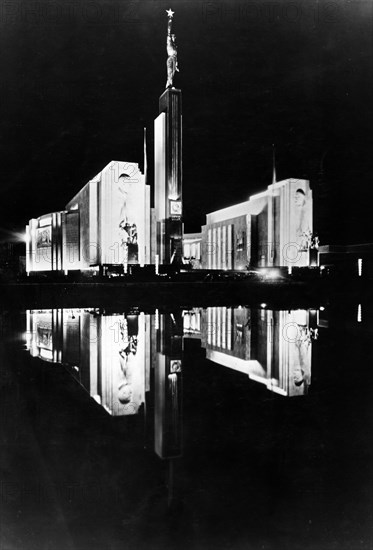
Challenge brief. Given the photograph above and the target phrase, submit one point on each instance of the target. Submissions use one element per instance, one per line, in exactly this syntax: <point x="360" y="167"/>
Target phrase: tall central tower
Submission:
<point x="168" y="163"/>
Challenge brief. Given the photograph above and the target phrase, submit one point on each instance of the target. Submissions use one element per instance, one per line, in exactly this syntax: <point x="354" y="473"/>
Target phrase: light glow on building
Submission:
<point x="272" y="228"/>
<point x="107" y="223"/>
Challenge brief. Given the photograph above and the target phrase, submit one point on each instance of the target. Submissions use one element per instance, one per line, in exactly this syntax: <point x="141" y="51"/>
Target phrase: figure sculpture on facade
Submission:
<point x="172" y="65"/>
<point x="310" y="240"/>
<point x="302" y="221"/>
<point x="127" y="226"/>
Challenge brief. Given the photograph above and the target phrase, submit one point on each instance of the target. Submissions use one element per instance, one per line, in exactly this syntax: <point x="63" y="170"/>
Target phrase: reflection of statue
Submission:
<point x="172" y="65"/>
<point x="301" y="367"/>
<point x="128" y="349"/>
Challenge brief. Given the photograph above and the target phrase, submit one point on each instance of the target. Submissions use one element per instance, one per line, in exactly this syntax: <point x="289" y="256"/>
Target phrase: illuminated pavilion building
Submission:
<point x="272" y="228"/>
<point x="111" y="222"/>
<point x="108" y="222"/>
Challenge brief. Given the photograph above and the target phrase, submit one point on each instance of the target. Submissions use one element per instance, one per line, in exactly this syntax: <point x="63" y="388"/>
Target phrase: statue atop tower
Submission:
<point x="172" y="65"/>
<point x="168" y="164"/>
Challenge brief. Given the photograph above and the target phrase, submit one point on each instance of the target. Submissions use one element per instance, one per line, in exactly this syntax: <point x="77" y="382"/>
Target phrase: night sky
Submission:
<point x="79" y="81"/>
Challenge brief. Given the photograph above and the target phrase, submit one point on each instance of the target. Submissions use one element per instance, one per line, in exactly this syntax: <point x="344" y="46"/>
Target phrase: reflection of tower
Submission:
<point x="168" y="391"/>
<point x="168" y="177"/>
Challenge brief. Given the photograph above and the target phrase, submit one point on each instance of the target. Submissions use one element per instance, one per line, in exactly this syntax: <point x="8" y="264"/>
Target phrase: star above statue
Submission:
<point x="172" y="64"/>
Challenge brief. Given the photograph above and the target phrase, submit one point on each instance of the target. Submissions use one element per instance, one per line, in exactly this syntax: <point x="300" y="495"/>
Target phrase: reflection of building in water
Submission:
<point x="122" y="354"/>
<point x="108" y="354"/>
<point x="192" y="322"/>
<point x="271" y="347"/>
<point x="54" y="334"/>
<point x="118" y="358"/>
<point x="167" y="384"/>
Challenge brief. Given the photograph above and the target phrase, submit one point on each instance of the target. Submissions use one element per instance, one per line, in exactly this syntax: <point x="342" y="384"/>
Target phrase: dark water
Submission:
<point x="208" y="428"/>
